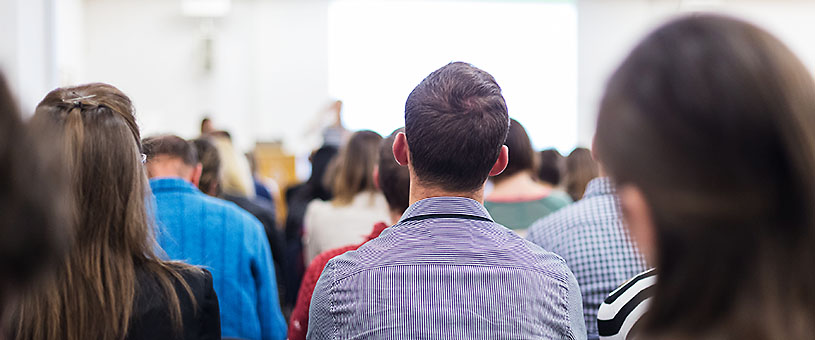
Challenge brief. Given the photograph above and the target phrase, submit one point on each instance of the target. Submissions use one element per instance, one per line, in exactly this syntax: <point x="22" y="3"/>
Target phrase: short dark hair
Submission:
<point x="550" y="168"/>
<point x="170" y="145"/>
<point x="456" y="121"/>
<point x="521" y="154"/>
<point x="394" y="179"/>
<point x="210" y="164"/>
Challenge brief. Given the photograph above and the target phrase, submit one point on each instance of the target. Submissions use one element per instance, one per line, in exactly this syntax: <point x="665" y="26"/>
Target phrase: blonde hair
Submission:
<point x="236" y="175"/>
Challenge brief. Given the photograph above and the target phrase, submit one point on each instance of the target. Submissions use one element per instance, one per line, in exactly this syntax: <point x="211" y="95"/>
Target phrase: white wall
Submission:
<point x="608" y="29"/>
<point x="268" y="64"/>
<point x="270" y="73"/>
<point x="27" y="56"/>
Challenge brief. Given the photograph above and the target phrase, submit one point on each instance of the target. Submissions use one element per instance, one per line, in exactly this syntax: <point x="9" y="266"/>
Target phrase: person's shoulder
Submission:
<point x="568" y="217"/>
<point x="619" y="313"/>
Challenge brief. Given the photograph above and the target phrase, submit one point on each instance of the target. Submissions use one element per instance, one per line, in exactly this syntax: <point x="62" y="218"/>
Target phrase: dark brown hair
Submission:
<point x="713" y="120"/>
<point x="394" y="179"/>
<point x="169" y="145"/>
<point x="521" y="154"/>
<point x="93" y="291"/>
<point x="210" y="165"/>
<point x="580" y="170"/>
<point x="354" y="172"/>
<point x="456" y="121"/>
<point x="34" y="204"/>
<point x="551" y="166"/>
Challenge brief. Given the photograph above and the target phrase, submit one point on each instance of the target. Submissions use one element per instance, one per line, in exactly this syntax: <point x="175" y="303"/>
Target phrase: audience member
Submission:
<point x="517" y="199"/>
<point x="111" y="284"/>
<point x="591" y="237"/>
<point x="35" y="205"/>
<point x="446" y="270"/>
<point x="394" y="181"/>
<point x="238" y="187"/>
<point x="210" y="161"/>
<point x="297" y="199"/>
<point x="357" y="204"/>
<point x="217" y="234"/>
<point x="580" y="170"/>
<point x="551" y="167"/>
<point x="236" y="174"/>
<point x="708" y="128"/>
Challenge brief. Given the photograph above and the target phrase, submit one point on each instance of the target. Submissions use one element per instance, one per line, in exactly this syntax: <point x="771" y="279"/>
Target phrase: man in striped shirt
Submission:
<point x="446" y="270"/>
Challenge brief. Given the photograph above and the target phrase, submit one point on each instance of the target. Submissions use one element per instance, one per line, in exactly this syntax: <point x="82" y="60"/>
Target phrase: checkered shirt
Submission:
<point x="590" y="236"/>
<point x="446" y="271"/>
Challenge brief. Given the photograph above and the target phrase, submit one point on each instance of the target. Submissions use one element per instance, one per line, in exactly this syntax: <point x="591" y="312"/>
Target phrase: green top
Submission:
<point x="521" y="214"/>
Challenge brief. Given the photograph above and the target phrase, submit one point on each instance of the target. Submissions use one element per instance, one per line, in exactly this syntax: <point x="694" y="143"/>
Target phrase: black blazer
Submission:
<point x="151" y="318"/>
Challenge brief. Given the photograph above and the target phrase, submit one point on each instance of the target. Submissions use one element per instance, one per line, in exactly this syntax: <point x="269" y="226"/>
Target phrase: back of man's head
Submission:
<point x="169" y="156"/>
<point x="456" y="121"/>
<point x="394" y="179"/>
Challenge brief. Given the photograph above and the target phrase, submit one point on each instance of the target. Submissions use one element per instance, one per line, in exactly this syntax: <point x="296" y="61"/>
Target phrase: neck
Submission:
<point x="418" y="192"/>
<point x="396" y="215"/>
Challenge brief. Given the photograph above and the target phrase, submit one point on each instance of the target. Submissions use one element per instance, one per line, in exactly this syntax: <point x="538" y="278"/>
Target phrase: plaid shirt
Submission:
<point x="590" y="236"/>
<point x="446" y="271"/>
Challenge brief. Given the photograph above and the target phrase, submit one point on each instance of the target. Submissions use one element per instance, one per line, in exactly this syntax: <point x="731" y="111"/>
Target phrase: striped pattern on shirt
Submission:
<point x="455" y="275"/>
<point x="620" y="313"/>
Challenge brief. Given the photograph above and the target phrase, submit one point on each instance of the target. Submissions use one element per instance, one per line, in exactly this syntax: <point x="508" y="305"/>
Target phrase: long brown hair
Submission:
<point x="354" y="172"/>
<point x="580" y="170"/>
<point x="92" y="293"/>
<point x="713" y="120"/>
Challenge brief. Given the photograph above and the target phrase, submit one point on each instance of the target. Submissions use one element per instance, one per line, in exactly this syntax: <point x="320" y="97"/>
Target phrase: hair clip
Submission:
<point x="77" y="102"/>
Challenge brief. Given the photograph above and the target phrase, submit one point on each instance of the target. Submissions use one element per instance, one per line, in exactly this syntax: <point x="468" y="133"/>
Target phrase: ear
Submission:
<point x="400" y="149"/>
<point x="195" y="177"/>
<point x="638" y="219"/>
<point x="376" y="178"/>
<point x="501" y="162"/>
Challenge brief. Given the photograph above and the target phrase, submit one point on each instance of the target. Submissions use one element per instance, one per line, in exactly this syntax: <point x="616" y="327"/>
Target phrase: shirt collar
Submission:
<point x="600" y="186"/>
<point x="446" y="205"/>
<point x="172" y="184"/>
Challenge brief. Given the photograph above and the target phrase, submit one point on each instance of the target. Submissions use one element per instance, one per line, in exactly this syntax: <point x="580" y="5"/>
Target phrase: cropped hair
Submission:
<point x="456" y="121"/>
<point x="169" y="145"/>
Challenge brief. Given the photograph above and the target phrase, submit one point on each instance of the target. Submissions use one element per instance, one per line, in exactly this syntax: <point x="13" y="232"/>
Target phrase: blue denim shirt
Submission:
<point x="231" y="243"/>
<point x="447" y="271"/>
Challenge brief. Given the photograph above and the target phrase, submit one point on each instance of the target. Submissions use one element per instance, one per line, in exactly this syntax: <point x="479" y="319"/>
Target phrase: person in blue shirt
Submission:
<point x="218" y="235"/>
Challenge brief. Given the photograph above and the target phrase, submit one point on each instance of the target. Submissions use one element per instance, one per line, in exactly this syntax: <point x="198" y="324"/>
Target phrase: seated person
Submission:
<point x="447" y="270"/>
<point x="217" y="234"/>
<point x="708" y="129"/>
<point x="518" y="199"/>
<point x="394" y="181"/>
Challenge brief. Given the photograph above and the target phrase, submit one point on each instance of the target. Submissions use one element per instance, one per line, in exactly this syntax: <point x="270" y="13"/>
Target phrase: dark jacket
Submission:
<point x="151" y="317"/>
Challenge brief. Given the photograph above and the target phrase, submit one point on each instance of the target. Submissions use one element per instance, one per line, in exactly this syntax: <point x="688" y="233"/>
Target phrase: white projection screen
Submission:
<point x="378" y="50"/>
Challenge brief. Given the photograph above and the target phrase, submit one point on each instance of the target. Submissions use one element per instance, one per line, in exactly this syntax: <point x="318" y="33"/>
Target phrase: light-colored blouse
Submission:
<point x="327" y="226"/>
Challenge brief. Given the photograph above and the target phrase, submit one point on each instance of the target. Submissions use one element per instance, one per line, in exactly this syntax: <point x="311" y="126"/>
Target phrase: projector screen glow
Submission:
<point x="379" y="50"/>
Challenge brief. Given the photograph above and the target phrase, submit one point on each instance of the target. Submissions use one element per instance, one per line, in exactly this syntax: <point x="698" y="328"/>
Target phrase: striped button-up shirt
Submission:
<point x="447" y="271"/>
<point x="591" y="237"/>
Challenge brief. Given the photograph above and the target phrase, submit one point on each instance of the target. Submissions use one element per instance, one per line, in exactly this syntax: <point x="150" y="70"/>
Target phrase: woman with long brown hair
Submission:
<point x="708" y="127"/>
<point x="112" y="283"/>
<point x="580" y="170"/>
<point x="357" y="204"/>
